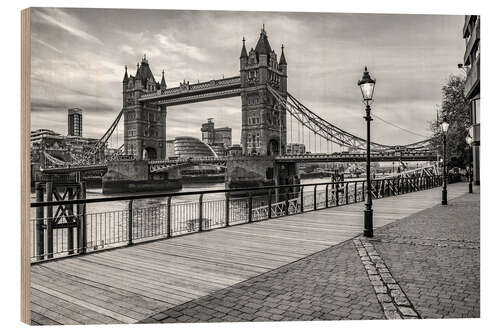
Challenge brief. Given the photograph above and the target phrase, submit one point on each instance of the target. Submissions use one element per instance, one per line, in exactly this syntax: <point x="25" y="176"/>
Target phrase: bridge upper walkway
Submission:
<point x="129" y="284"/>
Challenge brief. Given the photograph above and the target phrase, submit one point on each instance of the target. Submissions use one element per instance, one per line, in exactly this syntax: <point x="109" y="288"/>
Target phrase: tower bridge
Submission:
<point x="265" y="105"/>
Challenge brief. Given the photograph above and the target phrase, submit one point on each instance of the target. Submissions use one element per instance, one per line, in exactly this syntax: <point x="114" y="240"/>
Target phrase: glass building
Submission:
<point x="186" y="146"/>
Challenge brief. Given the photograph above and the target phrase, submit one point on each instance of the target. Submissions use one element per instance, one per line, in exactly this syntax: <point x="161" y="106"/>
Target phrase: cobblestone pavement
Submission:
<point x="434" y="255"/>
<point x="328" y="285"/>
<point x="430" y="260"/>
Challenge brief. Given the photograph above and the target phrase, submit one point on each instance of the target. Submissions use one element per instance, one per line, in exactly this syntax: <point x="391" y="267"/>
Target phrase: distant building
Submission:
<point x="75" y="122"/>
<point x="471" y="34"/>
<point x="64" y="148"/>
<point x="186" y="146"/>
<point x="220" y="139"/>
<point x="295" y="149"/>
<point x="170" y="148"/>
<point x="207" y="131"/>
<point x="235" y="150"/>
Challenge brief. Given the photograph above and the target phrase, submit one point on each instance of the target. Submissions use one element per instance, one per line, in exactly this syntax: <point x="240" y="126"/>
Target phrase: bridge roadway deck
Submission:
<point x="129" y="284"/>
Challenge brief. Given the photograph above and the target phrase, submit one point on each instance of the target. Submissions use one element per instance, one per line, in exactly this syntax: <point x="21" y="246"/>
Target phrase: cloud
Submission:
<point x="41" y="42"/>
<point x="410" y="56"/>
<point x="58" y="18"/>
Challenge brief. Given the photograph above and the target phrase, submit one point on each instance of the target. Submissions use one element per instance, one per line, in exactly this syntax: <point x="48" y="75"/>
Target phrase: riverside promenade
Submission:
<point x="423" y="263"/>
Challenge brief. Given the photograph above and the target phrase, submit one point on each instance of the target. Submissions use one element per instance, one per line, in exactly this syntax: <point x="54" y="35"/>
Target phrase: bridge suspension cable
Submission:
<point x="90" y="156"/>
<point x="397" y="126"/>
<point x="328" y="131"/>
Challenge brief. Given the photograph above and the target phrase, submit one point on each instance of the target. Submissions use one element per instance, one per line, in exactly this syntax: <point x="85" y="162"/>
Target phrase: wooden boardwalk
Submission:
<point x="129" y="284"/>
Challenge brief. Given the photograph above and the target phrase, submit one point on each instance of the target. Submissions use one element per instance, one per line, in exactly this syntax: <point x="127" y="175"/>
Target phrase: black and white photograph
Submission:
<point x="197" y="166"/>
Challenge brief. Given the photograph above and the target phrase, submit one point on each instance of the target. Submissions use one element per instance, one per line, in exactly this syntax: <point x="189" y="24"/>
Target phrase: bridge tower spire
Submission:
<point x="263" y="130"/>
<point x="144" y="122"/>
<point x="244" y="54"/>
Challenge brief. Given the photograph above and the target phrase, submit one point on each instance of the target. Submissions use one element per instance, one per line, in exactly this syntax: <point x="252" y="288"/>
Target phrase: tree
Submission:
<point x="457" y="111"/>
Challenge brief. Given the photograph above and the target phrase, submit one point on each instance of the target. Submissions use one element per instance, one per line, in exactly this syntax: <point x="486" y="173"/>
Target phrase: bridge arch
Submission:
<point x="149" y="153"/>
<point x="273" y="147"/>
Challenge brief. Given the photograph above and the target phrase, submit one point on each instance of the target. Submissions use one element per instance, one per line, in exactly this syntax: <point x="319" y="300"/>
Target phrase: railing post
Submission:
<point x="40" y="241"/>
<point x="346" y="193"/>
<point x="315" y="206"/>
<point x="82" y="210"/>
<point x="363" y="190"/>
<point x="250" y="206"/>
<point x="302" y="199"/>
<point x="169" y="217"/>
<point x="326" y="196"/>
<point x="336" y="194"/>
<point x="355" y="191"/>
<point x="286" y="201"/>
<point x="269" y="203"/>
<point x="130" y="219"/>
<point x="71" y="244"/>
<point x="200" y="213"/>
<point x="50" y="221"/>
<point x="228" y="202"/>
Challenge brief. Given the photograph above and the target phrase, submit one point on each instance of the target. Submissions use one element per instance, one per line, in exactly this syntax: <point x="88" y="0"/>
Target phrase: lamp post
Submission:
<point x="469" y="140"/>
<point x="444" y="129"/>
<point x="367" y="85"/>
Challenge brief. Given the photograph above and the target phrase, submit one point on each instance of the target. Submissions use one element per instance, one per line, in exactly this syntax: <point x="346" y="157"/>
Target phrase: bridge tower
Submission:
<point x="145" y="123"/>
<point x="263" y="130"/>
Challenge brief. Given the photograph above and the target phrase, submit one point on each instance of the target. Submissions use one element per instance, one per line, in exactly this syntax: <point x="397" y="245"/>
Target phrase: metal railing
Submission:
<point x="76" y="231"/>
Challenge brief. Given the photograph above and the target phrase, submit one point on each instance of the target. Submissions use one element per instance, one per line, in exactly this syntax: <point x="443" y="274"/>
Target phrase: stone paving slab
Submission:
<point x="435" y="257"/>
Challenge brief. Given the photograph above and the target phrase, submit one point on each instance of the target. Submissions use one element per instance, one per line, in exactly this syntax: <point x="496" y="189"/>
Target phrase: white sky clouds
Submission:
<point x="78" y="59"/>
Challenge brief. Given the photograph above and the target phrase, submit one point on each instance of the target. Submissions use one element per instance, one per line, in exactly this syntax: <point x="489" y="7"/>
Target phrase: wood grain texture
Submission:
<point x="129" y="284"/>
<point x="25" y="163"/>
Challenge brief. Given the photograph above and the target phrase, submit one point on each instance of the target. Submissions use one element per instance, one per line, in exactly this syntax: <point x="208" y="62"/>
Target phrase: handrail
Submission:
<point x="176" y="194"/>
<point x="81" y="231"/>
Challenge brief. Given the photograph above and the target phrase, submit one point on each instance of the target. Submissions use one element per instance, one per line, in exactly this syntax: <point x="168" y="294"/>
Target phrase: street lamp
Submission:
<point x="367" y="85"/>
<point x="444" y="129"/>
<point x="469" y="140"/>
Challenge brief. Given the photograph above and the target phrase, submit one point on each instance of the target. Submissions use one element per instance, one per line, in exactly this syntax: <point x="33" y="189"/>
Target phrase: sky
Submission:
<point x="78" y="59"/>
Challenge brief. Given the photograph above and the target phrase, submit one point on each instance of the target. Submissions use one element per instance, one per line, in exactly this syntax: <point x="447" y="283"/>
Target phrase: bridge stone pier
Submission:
<point x="134" y="176"/>
<point x="259" y="171"/>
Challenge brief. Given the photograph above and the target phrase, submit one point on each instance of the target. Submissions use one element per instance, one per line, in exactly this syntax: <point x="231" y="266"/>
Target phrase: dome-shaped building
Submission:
<point x="187" y="146"/>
